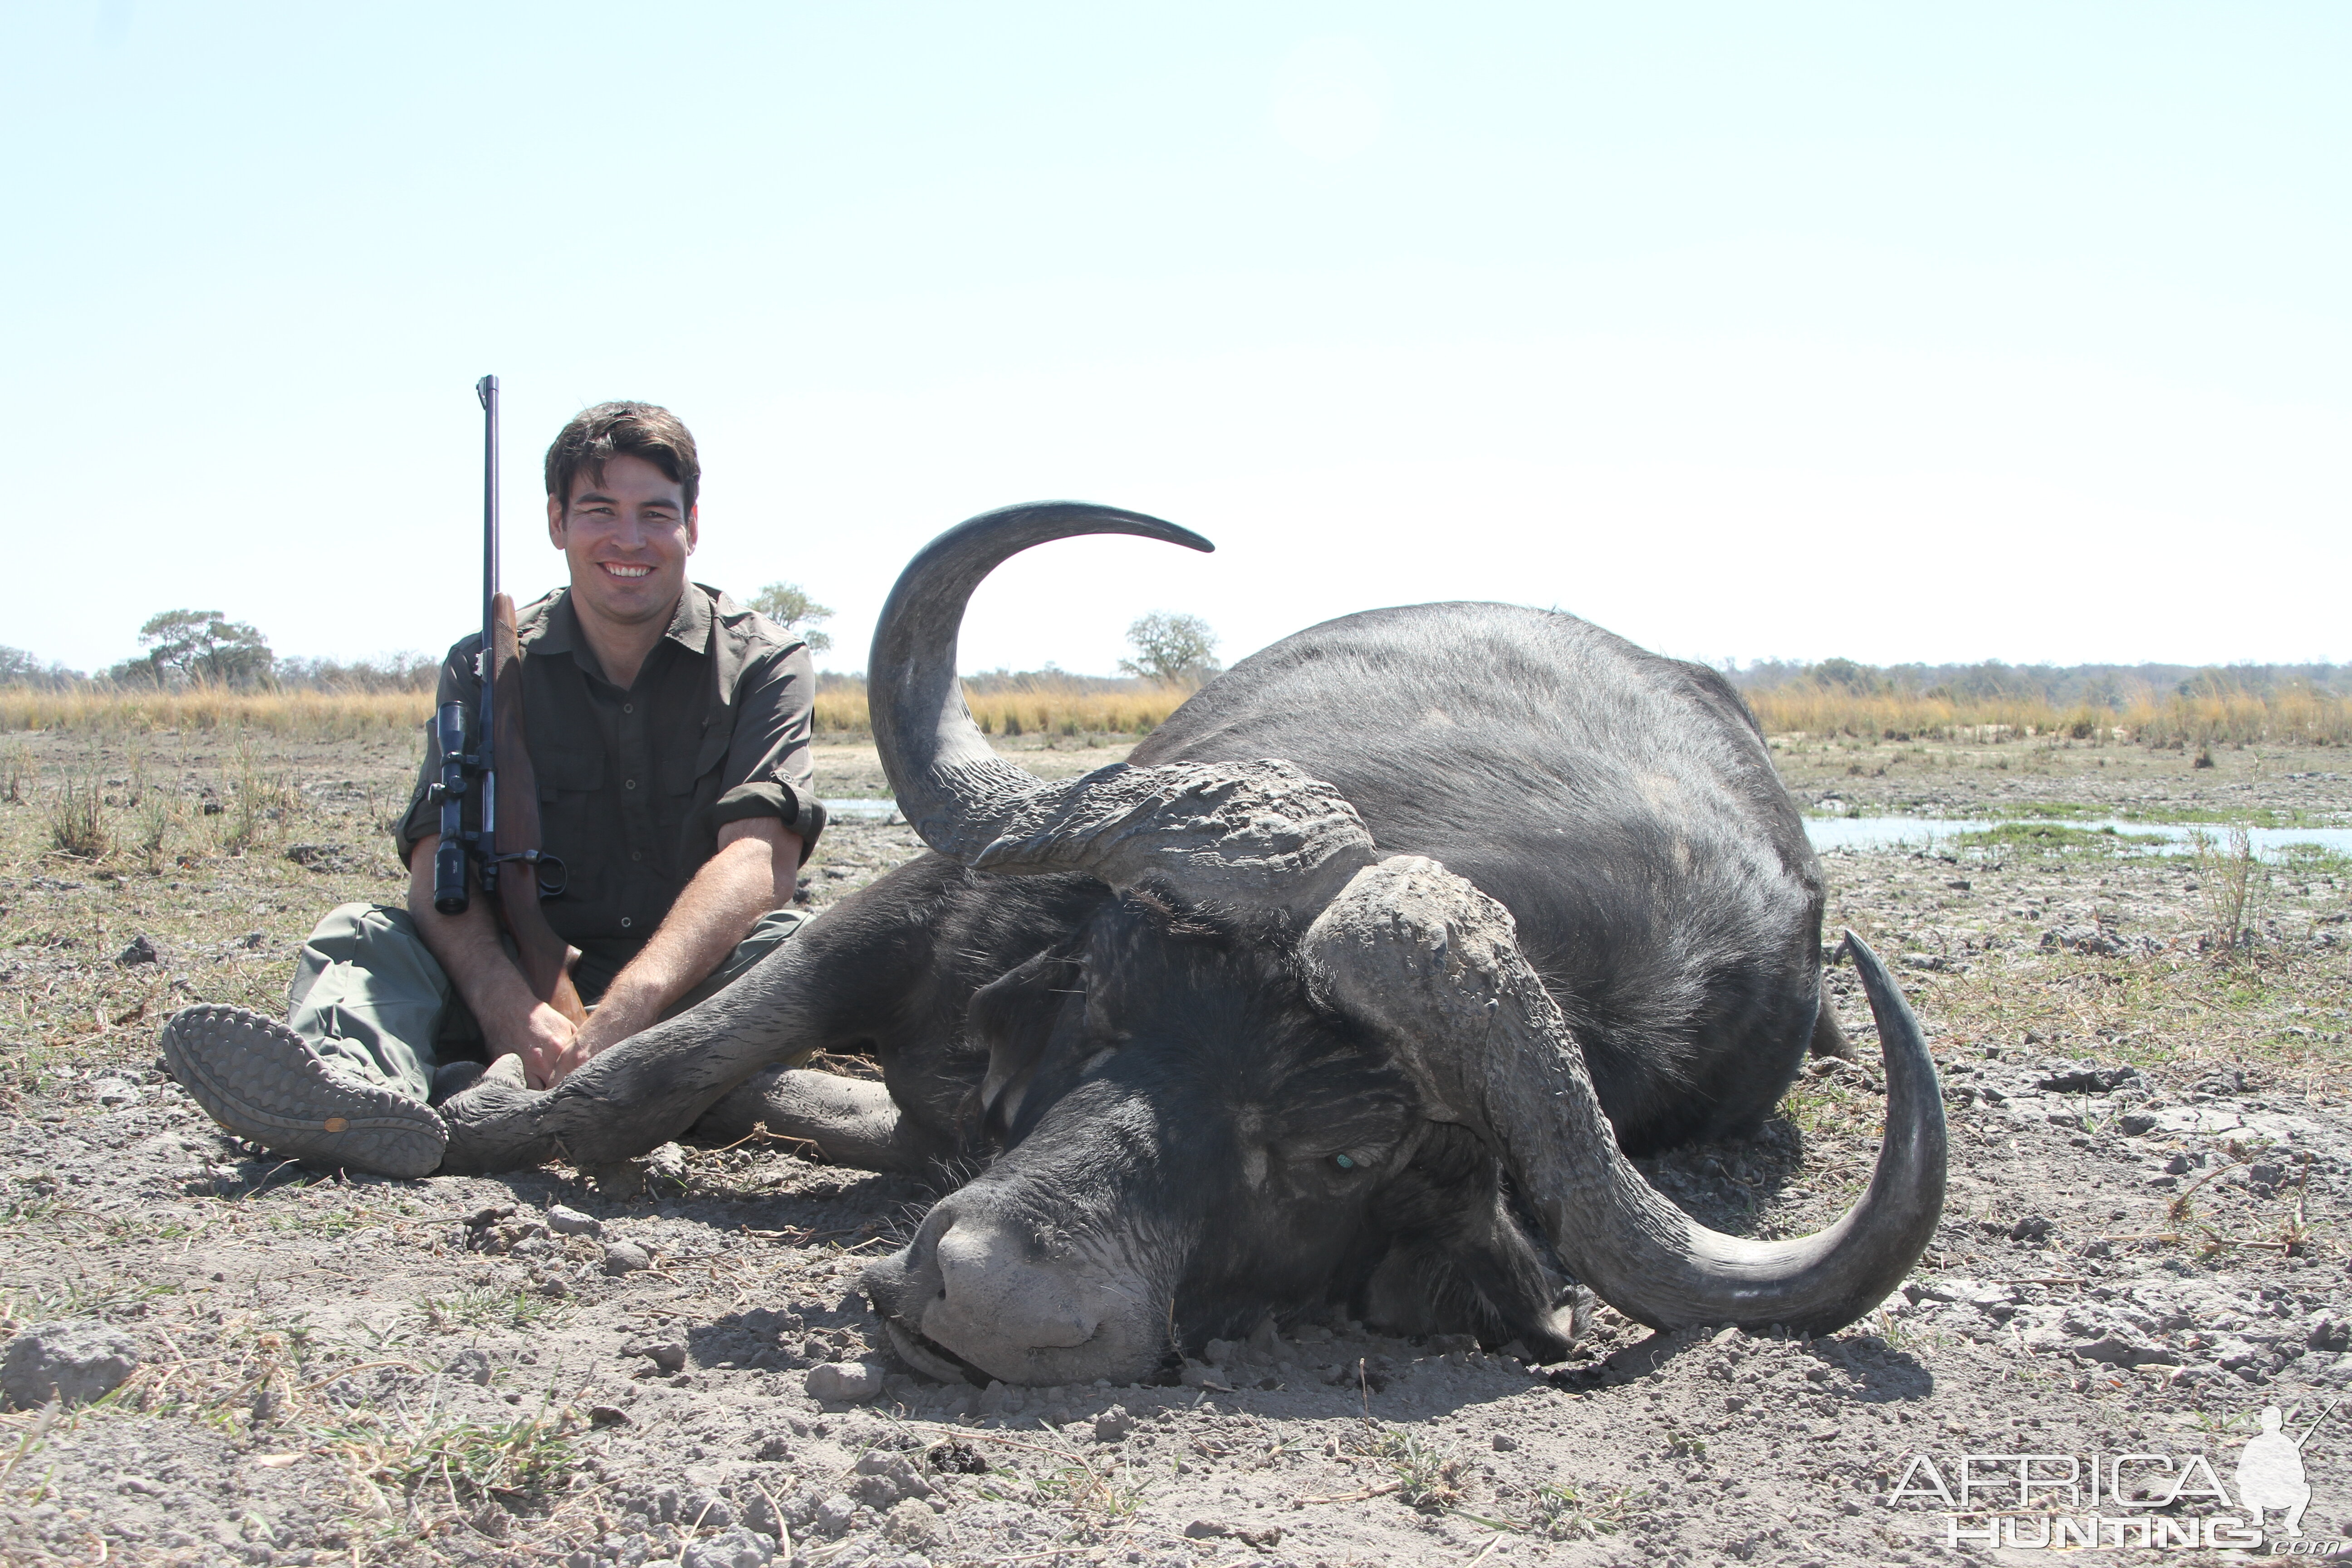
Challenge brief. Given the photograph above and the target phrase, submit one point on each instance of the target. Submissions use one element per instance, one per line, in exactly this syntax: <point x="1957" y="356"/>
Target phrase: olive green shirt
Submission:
<point x="635" y="784"/>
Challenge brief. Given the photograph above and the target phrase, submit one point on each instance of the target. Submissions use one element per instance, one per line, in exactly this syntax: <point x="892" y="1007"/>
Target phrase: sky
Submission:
<point x="2015" y="331"/>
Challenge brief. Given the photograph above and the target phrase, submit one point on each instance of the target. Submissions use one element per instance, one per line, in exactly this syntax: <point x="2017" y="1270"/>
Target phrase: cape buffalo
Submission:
<point x="1356" y="984"/>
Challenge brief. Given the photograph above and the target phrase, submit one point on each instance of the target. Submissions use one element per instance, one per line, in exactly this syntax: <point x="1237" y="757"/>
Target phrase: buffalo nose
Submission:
<point x="995" y="1292"/>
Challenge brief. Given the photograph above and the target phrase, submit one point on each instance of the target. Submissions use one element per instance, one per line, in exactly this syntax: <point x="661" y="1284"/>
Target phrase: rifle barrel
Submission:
<point x="486" y="389"/>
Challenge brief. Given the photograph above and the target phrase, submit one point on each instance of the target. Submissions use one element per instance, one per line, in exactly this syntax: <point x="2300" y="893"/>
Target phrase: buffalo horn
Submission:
<point x="1435" y="966"/>
<point x="1261" y="831"/>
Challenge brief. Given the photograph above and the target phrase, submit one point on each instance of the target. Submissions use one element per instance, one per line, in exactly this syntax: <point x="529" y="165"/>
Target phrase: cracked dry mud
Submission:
<point x="2143" y="1246"/>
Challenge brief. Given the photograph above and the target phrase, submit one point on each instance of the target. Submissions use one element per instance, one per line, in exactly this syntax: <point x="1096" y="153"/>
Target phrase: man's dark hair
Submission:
<point x="610" y="430"/>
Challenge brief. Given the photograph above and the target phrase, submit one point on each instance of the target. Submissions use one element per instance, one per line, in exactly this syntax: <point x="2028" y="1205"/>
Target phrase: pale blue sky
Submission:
<point x="2019" y="331"/>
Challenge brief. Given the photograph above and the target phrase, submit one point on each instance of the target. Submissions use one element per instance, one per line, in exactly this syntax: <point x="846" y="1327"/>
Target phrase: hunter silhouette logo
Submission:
<point x="2270" y="1472"/>
<point x="2108" y="1501"/>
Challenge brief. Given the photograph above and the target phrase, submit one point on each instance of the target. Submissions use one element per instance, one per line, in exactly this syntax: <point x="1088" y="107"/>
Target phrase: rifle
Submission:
<point x="508" y="834"/>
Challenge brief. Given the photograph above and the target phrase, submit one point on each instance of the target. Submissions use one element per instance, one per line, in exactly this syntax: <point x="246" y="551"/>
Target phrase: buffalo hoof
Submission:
<point x="493" y="1126"/>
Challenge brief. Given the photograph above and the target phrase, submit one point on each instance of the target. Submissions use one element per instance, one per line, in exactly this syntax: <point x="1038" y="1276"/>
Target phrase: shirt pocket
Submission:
<point x="570" y="787"/>
<point x="565" y="772"/>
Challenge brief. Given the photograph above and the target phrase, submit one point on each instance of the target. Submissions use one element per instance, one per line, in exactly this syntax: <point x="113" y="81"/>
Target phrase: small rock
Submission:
<point x="1113" y="1424"/>
<point x="843" y="1383"/>
<point x="1506" y="1445"/>
<point x="883" y="1479"/>
<point x="833" y="1515"/>
<point x="2137" y="1122"/>
<point x="626" y="1258"/>
<point x="473" y="1365"/>
<point x="668" y="1162"/>
<point x="143" y="949"/>
<point x="114" y="1092"/>
<point x="565" y="1221"/>
<point x="1210" y="1530"/>
<point x="76" y="1361"/>
<point x="1218" y="1353"/>
<point x="911" y="1523"/>
<point x="602" y="1416"/>
<point x="2032" y="1227"/>
<point x="618" y="1182"/>
<point x="669" y="1355"/>
<point x="735" y="1547"/>
<point x="2078" y="1079"/>
<point x="2114" y="1350"/>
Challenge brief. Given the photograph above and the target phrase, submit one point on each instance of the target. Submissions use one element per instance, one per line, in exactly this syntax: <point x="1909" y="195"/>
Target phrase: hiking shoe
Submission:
<point x="261" y="1080"/>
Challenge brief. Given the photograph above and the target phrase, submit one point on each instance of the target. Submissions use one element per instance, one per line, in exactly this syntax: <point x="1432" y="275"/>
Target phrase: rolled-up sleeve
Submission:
<point x="770" y="771"/>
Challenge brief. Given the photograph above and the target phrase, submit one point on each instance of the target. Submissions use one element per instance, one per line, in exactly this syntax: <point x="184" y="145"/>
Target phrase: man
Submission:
<point x="669" y="729"/>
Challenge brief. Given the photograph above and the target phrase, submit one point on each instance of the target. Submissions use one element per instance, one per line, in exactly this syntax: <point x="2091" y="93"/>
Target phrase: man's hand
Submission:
<point x="755" y="870"/>
<point x="542" y="1039"/>
<point x="514" y="1021"/>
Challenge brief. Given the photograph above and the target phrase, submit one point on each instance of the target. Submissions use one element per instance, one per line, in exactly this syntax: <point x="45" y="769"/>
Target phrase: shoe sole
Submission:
<point x="261" y="1080"/>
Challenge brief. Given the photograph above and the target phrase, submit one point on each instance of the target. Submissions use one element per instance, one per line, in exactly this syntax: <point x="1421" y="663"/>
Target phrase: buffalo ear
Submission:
<point x="1013" y="1016"/>
<point x="1459" y="1261"/>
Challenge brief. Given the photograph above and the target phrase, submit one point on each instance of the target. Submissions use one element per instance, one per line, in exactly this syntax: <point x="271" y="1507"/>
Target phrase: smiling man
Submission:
<point x="668" y="728"/>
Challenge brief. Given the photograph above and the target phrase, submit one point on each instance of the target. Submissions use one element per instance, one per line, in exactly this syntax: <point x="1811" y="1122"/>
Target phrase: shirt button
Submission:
<point x="628" y="707"/>
<point x="636" y="854"/>
<point x="625" y="922"/>
<point x="628" y="784"/>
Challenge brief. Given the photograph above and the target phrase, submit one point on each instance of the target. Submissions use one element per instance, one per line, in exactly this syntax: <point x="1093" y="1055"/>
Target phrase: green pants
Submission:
<point x="370" y="998"/>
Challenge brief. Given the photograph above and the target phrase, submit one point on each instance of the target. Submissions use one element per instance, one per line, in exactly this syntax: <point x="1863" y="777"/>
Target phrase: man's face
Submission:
<point x="626" y="537"/>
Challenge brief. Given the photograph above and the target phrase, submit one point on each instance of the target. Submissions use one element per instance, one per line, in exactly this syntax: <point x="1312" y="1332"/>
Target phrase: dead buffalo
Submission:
<point x="1356" y="984"/>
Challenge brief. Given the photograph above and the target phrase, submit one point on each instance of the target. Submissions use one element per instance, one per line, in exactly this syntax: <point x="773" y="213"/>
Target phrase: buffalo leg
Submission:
<point x="654" y="1086"/>
<point x="1829" y="1035"/>
<point x="852" y="1122"/>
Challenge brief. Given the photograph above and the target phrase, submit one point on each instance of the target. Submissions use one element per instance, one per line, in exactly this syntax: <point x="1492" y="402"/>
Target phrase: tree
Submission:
<point x="1174" y="651"/>
<point x="1845" y="674"/>
<point x="204" y="646"/>
<point x="18" y="667"/>
<point x="789" y="606"/>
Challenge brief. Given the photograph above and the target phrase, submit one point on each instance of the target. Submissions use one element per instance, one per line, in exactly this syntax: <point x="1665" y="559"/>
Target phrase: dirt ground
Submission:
<point x="2143" y="1247"/>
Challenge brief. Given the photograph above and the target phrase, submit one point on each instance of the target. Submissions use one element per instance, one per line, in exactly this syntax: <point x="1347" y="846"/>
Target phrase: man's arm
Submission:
<point x="756" y="869"/>
<point x="514" y="1021"/>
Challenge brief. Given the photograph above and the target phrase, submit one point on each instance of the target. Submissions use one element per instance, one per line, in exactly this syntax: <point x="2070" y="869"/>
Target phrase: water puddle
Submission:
<point x="862" y="810"/>
<point x="2149" y="838"/>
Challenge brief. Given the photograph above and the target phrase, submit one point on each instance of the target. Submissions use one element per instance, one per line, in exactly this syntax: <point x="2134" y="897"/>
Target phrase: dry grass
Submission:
<point x="2295" y="716"/>
<point x="1042" y="708"/>
<point x="1038" y="707"/>
<point x="309" y="715"/>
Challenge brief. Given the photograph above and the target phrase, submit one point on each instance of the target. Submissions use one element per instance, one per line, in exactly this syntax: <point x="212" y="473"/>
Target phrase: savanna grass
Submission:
<point x="1043" y="708"/>
<point x="307" y="715"/>
<point x="2293" y="717"/>
<point x="1040" y="708"/>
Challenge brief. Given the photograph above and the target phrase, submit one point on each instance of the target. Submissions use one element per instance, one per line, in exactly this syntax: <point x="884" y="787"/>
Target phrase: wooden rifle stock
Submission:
<point x="545" y="957"/>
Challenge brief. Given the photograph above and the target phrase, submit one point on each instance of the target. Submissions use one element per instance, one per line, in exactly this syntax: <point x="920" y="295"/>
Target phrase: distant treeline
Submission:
<point x="2149" y="704"/>
<point x="2114" y="687"/>
<point x="2145" y="704"/>
<point x="251" y="669"/>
